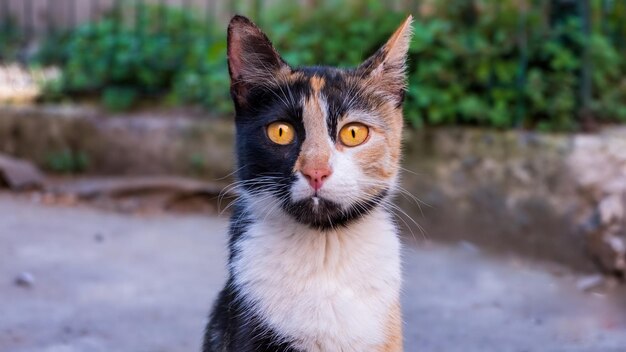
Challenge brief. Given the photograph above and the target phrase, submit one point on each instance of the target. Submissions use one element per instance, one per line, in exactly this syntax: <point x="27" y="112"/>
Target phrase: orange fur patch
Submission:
<point x="372" y="159"/>
<point x="315" y="151"/>
<point x="380" y="158"/>
<point x="393" y="331"/>
<point x="317" y="83"/>
<point x="386" y="69"/>
<point x="398" y="44"/>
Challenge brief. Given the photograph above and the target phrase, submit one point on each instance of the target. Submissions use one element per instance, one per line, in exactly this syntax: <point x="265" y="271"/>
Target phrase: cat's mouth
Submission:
<point x="322" y="213"/>
<point x="316" y="211"/>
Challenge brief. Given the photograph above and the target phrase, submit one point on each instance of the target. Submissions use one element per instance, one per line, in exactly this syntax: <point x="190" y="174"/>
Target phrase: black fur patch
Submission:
<point x="328" y="215"/>
<point x="234" y="328"/>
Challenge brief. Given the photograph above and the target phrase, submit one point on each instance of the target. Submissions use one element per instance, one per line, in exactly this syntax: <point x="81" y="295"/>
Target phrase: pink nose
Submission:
<point x="316" y="176"/>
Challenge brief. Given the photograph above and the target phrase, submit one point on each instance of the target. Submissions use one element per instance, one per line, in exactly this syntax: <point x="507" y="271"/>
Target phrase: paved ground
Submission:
<point x="113" y="282"/>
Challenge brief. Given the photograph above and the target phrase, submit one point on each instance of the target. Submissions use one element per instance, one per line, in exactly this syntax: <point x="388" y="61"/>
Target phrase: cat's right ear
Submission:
<point x="252" y="59"/>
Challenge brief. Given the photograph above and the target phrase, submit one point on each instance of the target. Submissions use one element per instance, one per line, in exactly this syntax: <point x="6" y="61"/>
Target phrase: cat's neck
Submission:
<point x="348" y="276"/>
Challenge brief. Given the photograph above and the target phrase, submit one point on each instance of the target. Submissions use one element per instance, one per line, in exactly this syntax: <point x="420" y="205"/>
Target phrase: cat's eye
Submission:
<point x="280" y="133"/>
<point x="353" y="134"/>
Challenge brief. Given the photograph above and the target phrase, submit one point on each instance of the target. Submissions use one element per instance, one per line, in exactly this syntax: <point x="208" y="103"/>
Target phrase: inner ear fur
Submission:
<point x="252" y="59"/>
<point x="385" y="71"/>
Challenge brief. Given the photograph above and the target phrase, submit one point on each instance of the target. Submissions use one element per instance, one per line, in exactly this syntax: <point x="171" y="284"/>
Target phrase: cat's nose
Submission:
<point x="316" y="176"/>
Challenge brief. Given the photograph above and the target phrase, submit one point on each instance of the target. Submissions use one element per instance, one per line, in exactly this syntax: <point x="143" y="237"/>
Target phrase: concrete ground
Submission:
<point x="104" y="281"/>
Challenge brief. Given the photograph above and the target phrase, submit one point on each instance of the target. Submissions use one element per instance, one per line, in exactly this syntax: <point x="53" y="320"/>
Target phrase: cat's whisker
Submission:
<point x="232" y="188"/>
<point x="396" y="208"/>
<point x="231" y="174"/>
<point x="410" y="171"/>
<point x="239" y="186"/>
<point x="388" y="203"/>
<point x="403" y="191"/>
<point x="275" y="207"/>
<point x="407" y="226"/>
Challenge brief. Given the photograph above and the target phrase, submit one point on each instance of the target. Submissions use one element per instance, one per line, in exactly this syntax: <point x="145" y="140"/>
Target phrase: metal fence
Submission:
<point x="38" y="17"/>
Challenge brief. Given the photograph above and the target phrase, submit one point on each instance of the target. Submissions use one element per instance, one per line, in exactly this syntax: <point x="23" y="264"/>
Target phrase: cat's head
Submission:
<point x="321" y="144"/>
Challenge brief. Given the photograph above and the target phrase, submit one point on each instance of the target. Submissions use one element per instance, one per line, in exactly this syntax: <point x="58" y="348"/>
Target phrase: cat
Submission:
<point x="314" y="259"/>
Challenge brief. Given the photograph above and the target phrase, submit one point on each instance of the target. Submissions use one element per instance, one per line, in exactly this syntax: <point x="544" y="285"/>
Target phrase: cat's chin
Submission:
<point x="325" y="214"/>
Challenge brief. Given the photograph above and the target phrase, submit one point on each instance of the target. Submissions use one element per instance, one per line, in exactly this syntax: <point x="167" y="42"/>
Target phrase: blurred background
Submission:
<point x="116" y="156"/>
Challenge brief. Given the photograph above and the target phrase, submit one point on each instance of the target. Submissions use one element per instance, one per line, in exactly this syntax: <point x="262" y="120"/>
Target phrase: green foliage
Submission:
<point x="118" y="99"/>
<point x="505" y="68"/>
<point x="54" y="49"/>
<point x="471" y="62"/>
<point x="330" y="35"/>
<point x="608" y="78"/>
<point x="477" y="74"/>
<point x="197" y="163"/>
<point x="67" y="161"/>
<point x="166" y="51"/>
<point x="9" y="40"/>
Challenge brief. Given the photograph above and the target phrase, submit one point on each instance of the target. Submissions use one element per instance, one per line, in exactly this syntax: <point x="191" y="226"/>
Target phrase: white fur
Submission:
<point x="327" y="291"/>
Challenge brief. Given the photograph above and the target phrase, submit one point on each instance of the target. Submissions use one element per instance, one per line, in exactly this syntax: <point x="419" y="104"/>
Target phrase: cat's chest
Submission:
<point x="325" y="291"/>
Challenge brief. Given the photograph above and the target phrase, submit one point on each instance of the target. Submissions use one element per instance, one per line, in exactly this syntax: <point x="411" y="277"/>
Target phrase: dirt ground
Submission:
<point x="82" y="279"/>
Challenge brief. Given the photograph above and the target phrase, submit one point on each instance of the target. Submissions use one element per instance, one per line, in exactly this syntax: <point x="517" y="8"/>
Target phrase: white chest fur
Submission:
<point x="328" y="291"/>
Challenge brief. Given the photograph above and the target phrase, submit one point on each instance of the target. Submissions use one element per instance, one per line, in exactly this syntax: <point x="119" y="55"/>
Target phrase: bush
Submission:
<point x="168" y="52"/>
<point x="9" y="41"/>
<point x="485" y="63"/>
<point x="506" y="69"/>
<point x="67" y="161"/>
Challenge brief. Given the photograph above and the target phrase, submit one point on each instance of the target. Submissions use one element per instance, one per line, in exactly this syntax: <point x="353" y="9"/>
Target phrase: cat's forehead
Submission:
<point x="322" y="78"/>
<point x="334" y="93"/>
<point x="341" y="89"/>
<point x="331" y="74"/>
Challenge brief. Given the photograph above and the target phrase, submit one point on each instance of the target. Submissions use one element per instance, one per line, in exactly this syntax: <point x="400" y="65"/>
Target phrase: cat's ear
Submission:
<point x="385" y="71"/>
<point x="252" y="60"/>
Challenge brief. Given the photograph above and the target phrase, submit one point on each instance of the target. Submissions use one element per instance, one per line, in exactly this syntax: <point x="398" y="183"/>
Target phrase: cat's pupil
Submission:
<point x="280" y="132"/>
<point x="353" y="133"/>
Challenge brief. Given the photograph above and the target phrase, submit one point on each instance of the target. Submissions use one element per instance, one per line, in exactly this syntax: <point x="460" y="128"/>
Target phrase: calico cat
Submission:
<point x="314" y="255"/>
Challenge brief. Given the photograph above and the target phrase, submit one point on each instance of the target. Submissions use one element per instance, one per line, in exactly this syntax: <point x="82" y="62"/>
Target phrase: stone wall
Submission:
<point x="142" y="144"/>
<point x="547" y="196"/>
<point x="550" y="196"/>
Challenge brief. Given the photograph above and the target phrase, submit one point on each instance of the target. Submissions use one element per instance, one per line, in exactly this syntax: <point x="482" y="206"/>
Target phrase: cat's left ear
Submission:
<point x="385" y="71"/>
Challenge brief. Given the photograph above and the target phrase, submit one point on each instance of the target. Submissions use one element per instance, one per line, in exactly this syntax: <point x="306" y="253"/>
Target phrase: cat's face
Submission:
<point x="320" y="144"/>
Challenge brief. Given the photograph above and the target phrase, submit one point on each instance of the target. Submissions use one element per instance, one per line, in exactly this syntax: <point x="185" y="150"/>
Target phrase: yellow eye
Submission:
<point x="353" y="134"/>
<point x="280" y="133"/>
